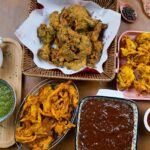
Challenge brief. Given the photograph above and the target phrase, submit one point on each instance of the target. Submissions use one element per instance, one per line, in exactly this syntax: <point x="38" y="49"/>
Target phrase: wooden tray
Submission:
<point x="30" y="69"/>
<point x="12" y="73"/>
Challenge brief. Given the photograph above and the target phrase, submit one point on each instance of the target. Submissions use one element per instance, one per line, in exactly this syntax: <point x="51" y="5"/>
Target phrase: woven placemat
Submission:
<point x="30" y="69"/>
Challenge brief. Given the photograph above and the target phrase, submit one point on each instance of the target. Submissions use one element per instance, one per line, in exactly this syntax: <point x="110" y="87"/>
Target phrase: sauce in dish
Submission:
<point x="6" y="99"/>
<point x="105" y="125"/>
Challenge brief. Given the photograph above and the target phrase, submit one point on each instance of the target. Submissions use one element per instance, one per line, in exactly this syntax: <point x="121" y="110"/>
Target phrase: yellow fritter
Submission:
<point x="129" y="48"/>
<point x="142" y="38"/>
<point x="73" y="39"/>
<point x="137" y="55"/>
<point x="142" y="84"/>
<point x="46" y="115"/>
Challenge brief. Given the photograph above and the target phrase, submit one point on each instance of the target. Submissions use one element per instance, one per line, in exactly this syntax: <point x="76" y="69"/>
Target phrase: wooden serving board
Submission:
<point x="12" y="73"/>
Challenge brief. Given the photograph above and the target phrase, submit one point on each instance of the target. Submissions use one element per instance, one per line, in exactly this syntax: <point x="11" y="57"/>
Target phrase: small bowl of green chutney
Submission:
<point x="7" y="100"/>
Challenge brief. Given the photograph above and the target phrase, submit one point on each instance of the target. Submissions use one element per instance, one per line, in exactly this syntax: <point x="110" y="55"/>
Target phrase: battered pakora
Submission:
<point x="137" y="55"/>
<point x="73" y="39"/>
<point x="125" y="77"/>
<point x="46" y="116"/>
<point x="142" y="84"/>
<point x="129" y="47"/>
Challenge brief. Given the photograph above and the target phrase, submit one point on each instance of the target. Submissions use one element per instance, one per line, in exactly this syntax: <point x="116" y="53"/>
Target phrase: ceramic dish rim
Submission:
<point x="145" y="120"/>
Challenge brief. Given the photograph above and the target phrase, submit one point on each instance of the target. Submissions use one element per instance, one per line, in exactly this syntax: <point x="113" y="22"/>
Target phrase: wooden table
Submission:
<point x="12" y="14"/>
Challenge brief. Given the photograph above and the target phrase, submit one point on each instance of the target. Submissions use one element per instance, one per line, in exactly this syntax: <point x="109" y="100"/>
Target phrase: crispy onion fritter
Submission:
<point x="46" y="116"/>
<point x="136" y="72"/>
<point x="73" y="39"/>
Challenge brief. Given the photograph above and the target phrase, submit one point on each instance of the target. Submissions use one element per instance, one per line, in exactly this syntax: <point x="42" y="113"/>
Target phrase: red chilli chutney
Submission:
<point x="105" y="125"/>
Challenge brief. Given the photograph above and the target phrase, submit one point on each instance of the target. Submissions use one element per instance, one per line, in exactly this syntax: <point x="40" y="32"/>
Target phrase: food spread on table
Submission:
<point x="73" y="39"/>
<point x="46" y="115"/>
<point x="135" y="72"/>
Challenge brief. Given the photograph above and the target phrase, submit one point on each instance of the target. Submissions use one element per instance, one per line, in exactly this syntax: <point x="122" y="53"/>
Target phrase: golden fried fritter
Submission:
<point x="125" y="77"/>
<point x="44" y="52"/>
<point x="77" y="64"/>
<point x="142" y="82"/>
<point x="46" y="115"/>
<point x="129" y="48"/>
<point x="46" y="34"/>
<point x="137" y="54"/>
<point x="54" y="20"/>
<point x="142" y="38"/>
<point x="76" y="17"/>
<point x="76" y="36"/>
<point x="93" y="58"/>
<point x="96" y="33"/>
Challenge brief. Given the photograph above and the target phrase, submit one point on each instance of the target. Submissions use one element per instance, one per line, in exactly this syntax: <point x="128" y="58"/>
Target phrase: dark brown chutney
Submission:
<point x="105" y="125"/>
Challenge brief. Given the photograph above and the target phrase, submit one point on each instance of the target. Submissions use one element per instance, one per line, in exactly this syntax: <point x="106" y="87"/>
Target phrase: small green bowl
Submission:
<point x="14" y="100"/>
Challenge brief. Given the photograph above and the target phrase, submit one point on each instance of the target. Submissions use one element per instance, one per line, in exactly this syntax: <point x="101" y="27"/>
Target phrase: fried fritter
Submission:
<point x="93" y="58"/>
<point x="77" y="64"/>
<point x="142" y="38"/>
<point x="76" y="36"/>
<point x="142" y="86"/>
<point x="54" y="20"/>
<point x="46" y="34"/>
<point x="129" y="48"/>
<point x="96" y="33"/>
<point x="125" y="77"/>
<point x="142" y="83"/>
<point x="137" y="54"/>
<point x="77" y="17"/>
<point x="44" y="52"/>
<point x="46" y="115"/>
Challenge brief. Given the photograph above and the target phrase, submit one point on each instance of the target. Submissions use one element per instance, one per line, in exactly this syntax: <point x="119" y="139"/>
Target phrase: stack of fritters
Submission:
<point x="72" y="39"/>
<point x="47" y="115"/>
<point x="136" y="71"/>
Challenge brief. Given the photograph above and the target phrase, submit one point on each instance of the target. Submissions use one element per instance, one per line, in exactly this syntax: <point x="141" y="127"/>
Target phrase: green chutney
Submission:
<point x="6" y="99"/>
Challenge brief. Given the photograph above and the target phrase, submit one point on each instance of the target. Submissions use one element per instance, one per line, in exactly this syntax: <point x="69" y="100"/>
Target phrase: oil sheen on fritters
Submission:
<point x="105" y="125"/>
<point x="77" y="38"/>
